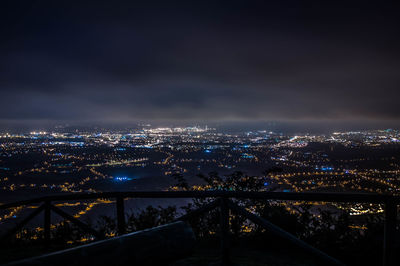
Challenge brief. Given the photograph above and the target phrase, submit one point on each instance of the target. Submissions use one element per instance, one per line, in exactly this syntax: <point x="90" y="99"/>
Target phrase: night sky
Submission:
<point x="213" y="61"/>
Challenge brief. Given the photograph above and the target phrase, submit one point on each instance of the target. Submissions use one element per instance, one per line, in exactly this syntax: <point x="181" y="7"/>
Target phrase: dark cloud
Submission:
<point x="216" y="61"/>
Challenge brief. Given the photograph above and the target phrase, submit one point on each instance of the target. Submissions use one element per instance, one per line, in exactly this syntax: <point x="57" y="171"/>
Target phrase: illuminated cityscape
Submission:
<point x="41" y="163"/>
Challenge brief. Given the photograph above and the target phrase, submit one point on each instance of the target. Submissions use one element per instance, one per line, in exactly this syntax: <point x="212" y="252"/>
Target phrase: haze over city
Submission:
<point x="185" y="63"/>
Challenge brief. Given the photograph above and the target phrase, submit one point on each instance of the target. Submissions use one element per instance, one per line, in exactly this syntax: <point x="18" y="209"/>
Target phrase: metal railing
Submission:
<point x="223" y="202"/>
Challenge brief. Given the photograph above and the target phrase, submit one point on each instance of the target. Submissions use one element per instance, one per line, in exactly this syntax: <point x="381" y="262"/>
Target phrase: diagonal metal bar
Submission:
<point x="203" y="209"/>
<point x="280" y="232"/>
<point x="75" y="221"/>
<point x="23" y="223"/>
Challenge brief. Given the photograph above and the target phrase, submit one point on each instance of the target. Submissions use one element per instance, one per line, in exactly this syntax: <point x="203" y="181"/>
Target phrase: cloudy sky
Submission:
<point x="193" y="62"/>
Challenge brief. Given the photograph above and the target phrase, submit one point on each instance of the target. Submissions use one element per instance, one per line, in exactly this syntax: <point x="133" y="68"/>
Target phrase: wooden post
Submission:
<point x="224" y="228"/>
<point x="389" y="233"/>
<point x="121" y="216"/>
<point x="47" y="221"/>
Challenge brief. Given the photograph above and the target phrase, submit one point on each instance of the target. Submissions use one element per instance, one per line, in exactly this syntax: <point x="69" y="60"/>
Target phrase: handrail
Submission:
<point x="306" y="196"/>
<point x="222" y="200"/>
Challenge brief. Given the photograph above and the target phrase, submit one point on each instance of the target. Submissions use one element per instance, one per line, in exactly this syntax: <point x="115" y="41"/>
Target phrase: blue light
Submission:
<point x="324" y="168"/>
<point x="122" y="178"/>
<point x="207" y="151"/>
<point x="266" y="184"/>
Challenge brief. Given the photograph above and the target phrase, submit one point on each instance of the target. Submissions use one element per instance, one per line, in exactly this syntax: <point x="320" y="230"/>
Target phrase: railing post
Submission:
<point x="47" y="222"/>
<point x="224" y="228"/>
<point x="389" y="233"/>
<point x="120" y="215"/>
